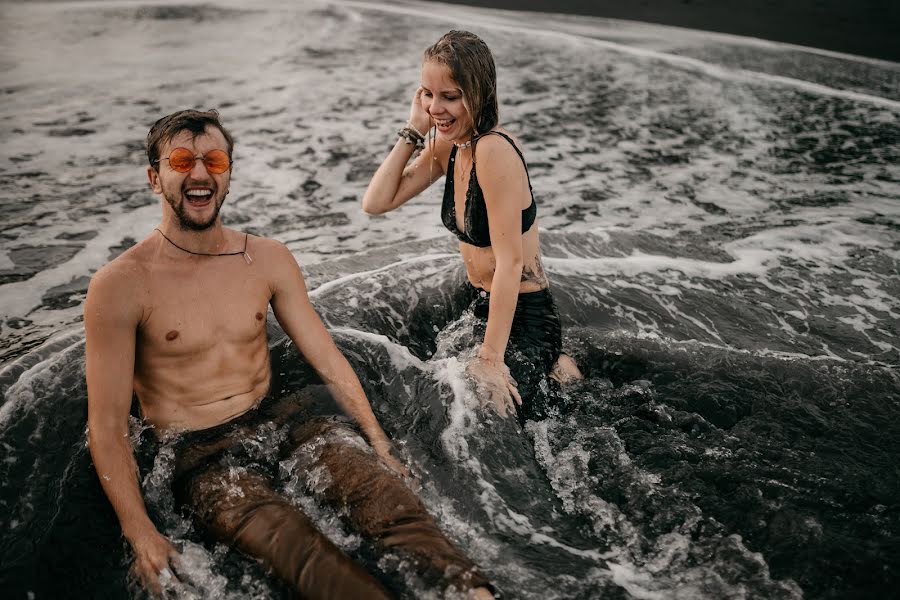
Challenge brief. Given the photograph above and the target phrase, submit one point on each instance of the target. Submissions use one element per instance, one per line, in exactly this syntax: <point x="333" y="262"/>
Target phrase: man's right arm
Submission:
<point x="111" y="317"/>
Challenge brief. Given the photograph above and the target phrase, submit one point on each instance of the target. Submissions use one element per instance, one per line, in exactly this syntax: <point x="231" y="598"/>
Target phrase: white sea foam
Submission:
<point x="45" y="373"/>
<point x="658" y="567"/>
<point x="462" y="411"/>
<point x="416" y="261"/>
<point x="22" y="297"/>
<point x="401" y="357"/>
<point x="465" y="423"/>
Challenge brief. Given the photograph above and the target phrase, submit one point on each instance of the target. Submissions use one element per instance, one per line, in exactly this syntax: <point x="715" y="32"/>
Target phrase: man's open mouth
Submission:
<point x="198" y="195"/>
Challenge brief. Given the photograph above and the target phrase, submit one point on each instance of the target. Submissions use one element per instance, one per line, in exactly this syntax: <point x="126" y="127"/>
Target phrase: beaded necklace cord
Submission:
<point x="244" y="251"/>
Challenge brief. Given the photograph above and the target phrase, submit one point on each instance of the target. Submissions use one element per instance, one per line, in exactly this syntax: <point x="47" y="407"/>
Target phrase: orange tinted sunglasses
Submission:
<point x="183" y="160"/>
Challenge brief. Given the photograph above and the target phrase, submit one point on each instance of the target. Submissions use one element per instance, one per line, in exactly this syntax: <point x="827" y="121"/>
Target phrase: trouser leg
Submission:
<point x="239" y="507"/>
<point x="380" y="506"/>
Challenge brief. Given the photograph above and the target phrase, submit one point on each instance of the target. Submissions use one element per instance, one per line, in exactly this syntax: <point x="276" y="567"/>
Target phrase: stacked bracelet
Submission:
<point x="416" y="131"/>
<point x="412" y="136"/>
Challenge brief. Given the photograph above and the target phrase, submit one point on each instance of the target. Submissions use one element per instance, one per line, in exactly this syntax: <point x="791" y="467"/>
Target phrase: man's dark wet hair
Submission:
<point x="195" y="121"/>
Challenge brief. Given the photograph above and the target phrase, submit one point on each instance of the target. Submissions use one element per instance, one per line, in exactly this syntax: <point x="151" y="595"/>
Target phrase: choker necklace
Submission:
<point x="463" y="145"/>
<point x="244" y="251"/>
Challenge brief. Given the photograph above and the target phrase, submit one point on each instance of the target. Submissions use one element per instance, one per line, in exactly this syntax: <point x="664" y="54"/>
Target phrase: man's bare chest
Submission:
<point x="190" y="311"/>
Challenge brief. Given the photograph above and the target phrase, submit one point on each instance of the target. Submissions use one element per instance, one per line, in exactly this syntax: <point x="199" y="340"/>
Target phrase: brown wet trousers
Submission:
<point x="225" y="477"/>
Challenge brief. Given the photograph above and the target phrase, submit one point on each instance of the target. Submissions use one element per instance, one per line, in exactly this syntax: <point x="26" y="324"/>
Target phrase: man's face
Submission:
<point x="194" y="197"/>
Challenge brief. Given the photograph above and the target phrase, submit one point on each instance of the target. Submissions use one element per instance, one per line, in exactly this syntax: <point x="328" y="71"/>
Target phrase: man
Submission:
<point x="179" y="319"/>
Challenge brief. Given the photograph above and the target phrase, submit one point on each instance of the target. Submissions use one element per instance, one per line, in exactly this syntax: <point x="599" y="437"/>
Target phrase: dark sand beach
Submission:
<point x="866" y="28"/>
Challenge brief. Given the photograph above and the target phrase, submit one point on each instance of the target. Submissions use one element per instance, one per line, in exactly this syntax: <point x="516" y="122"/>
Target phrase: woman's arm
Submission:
<point x="394" y="182"/>
<point x="504" y="183"/>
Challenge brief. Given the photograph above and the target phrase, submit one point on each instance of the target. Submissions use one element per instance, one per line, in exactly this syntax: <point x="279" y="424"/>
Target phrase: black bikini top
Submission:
<point x="475" y="219"/>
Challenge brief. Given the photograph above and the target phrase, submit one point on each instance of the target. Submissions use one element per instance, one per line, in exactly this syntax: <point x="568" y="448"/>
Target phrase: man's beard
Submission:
<point x="185" y="222"/>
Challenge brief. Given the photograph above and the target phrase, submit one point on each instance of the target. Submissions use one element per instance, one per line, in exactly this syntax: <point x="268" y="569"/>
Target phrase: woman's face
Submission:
<point x="443" y="100"/>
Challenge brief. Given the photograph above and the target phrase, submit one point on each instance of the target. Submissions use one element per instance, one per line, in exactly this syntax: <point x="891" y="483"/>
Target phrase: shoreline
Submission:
<point x="868" y="28"/>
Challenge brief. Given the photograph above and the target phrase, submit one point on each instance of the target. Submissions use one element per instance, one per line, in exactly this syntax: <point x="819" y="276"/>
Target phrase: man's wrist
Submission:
<point x="139" y="530"/>
<point x="373" y="432"/>
<point x="378" y="439"/>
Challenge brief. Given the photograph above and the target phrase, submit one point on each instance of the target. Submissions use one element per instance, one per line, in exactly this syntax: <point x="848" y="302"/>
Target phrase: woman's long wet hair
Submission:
<point x="472" y="67"/>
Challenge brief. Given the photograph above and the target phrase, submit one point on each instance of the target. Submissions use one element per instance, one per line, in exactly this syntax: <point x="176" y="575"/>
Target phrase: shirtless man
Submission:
<point x="179" y="319"/>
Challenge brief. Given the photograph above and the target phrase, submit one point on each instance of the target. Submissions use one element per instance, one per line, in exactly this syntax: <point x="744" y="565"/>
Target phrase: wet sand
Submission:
<point x="867" y="28"/>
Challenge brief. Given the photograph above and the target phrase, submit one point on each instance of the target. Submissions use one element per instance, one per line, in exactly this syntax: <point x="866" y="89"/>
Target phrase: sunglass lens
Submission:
<point x="217" y="161"/>
<point x="181" y="159"/>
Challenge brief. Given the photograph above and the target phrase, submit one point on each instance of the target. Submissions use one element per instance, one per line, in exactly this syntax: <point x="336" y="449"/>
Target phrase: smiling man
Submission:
<point x="179" y="320"/>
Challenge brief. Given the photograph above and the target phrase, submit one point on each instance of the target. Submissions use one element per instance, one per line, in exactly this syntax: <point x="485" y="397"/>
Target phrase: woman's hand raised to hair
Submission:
<point x="418" y="117"/>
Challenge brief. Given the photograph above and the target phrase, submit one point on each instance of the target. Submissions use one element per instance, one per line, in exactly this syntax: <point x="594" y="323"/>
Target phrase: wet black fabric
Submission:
<point x="225" y="477"/>
<point x="475" y="221"/>
<point x="535" y="343"/>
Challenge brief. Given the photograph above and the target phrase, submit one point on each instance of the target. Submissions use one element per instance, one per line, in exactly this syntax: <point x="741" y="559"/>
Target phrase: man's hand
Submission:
<point x="494" y="385"/>
<point x="154" y="556"/>
<point x="384" y="450"/>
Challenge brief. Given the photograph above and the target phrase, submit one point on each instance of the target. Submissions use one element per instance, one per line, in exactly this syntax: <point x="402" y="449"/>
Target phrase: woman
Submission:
<point x="488" y="204"/>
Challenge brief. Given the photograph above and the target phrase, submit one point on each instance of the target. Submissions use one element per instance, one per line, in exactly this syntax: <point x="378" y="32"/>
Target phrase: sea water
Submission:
<point x="720" y="223"/>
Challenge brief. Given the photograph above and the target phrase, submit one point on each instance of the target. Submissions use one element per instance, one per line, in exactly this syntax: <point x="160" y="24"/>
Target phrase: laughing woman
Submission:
<point x="488" y="205"/>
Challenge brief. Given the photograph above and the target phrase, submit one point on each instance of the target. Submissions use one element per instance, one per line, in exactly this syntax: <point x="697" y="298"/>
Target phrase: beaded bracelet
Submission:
<point x="416" y="131"/>
<point x="411" y="136"/>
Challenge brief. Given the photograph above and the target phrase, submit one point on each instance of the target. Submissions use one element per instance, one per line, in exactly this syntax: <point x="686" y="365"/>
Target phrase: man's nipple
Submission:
<point x="259" y="316"/>
<point x="171" y="335"/>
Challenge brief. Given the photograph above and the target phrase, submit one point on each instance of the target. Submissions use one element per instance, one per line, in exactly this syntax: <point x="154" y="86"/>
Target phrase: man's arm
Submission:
<point x="111" y="318"/>
<point x="300" y="321"/>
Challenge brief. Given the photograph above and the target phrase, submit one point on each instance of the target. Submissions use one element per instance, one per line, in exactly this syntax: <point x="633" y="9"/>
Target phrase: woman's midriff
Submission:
<point x="481" y="265"/>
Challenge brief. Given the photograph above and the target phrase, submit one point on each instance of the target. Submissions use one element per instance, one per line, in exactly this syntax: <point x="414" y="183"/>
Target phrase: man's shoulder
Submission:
<point x="115" y="291"/>
<point x="268" y="249"/>
<point x="264" y="243"/>
<point x="121" y="276"/>
<point x="275" y="262"/>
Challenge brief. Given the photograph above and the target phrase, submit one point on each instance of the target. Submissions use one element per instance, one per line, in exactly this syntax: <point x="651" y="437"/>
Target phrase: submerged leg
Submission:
<point x="565" y="370"/>
<point x="380" y="506"/>
<point x="239" y="507"/>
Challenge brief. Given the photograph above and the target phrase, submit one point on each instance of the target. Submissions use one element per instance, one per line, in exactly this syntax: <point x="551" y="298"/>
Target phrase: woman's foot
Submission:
<point x="565" y="371"/>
